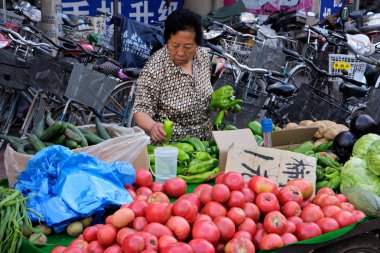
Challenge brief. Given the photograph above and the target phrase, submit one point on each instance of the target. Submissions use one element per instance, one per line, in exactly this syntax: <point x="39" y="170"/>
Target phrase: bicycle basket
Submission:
<point x="50" y="74"/>
<point x="14" y="71"/>
<point x="312" y="104"/>
<point x="339" y="62"/>
<point x="89" y="87"/>
<point x="10" y="20"/>
<point x="238" y="47"/>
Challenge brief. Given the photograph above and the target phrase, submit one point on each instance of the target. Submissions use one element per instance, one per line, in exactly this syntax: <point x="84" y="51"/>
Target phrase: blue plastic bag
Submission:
<point x="68" y="186"/>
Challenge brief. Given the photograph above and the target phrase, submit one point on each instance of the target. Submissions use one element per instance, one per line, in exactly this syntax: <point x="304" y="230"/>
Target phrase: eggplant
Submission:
<point x="343" y="144"/>
<point x="362" y="124"/>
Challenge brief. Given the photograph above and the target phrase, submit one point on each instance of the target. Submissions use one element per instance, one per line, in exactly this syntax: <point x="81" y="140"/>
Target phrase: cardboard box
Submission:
<point x="292" y="137"/>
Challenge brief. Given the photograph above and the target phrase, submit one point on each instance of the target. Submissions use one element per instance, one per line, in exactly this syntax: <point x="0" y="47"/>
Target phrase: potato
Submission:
<point x="291" y="125"/>
<point x="328" y="123"/>
<point x="320" y="141"/>
<point x="305" y="122"/>
<point x="321" y="129"/>
<point x="74" y="229"/>
<point x="342" y="127"/>
<point x="38" y="240"/>
<point x="44" y="229"/>
<point x="86" y="221"/>
<point x="25" y="231"/>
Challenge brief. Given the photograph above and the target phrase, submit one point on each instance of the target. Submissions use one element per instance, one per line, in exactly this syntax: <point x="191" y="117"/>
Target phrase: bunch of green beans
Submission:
<point x="13" y="217"/>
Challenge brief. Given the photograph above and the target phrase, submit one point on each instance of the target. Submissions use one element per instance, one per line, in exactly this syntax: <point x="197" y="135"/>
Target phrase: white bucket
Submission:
<point x="165" y="163"/>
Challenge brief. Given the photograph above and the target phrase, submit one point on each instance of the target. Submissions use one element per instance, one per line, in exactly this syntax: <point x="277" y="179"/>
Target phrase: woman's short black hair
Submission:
<point x="184" y="20"/>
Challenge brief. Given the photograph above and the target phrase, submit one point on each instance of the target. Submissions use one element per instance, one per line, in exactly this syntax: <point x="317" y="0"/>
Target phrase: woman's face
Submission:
<point x="181" y="47"/>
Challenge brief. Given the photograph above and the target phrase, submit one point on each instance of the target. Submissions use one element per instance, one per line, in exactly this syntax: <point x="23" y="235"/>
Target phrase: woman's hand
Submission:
<point x="157" y="132"/>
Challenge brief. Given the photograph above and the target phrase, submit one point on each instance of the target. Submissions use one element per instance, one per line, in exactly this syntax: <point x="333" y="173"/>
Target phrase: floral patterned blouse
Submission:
<point x="163" y="88"/>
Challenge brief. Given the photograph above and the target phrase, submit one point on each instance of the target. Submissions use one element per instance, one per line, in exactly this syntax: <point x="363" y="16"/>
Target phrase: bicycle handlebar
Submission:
<point x="320" y="71"/>
<point x="232" y="31"/>
<point x="368" y="60"/>
<point x="317" y="31"/>
<point x="19" y="39"/>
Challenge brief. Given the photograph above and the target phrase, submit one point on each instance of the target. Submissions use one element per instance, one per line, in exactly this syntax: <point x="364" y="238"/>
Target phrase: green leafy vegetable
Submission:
<point x="373" y="158"/>
<point x="361" y="146"/>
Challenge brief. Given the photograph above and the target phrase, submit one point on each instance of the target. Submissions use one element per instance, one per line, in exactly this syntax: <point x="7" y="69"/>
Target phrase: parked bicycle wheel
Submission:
<point x="76" y="114"/>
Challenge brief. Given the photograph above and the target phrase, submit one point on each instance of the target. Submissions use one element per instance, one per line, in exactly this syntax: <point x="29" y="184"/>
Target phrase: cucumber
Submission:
<point x="101" y="130"/>
<point x="60" y="140"/>
<point x="49" y="119"/>
<point x="39" y="127"/>
<point x="51" y="131"/>
<point x="47" y="144"/>
<point x="71" y="135"/>
<point x="83" y="141"/>
<point x="21" y="149"/>
<point x="30" y="152"/>
<point x="92" y="138"/>
<point x="36" y="142"/>
<point x="62" y="130"/>
<point x="71" y="144"/>
<point x="13" y="141"/>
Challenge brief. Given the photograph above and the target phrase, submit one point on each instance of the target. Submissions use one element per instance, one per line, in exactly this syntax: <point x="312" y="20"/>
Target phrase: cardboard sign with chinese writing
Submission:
<point x="279" y="165"/>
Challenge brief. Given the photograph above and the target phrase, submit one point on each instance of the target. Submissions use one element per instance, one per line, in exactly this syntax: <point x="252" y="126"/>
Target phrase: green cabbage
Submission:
<point x="361" y="146"/>
<point x="354" y="174"/>
<point x="373" y="158"/>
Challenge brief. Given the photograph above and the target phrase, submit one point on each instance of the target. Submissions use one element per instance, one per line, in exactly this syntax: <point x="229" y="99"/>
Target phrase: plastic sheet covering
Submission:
<point x="126" y="145"/>
<point x="66" y="186"/>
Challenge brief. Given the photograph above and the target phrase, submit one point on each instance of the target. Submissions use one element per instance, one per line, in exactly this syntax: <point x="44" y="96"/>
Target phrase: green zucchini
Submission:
<point x="51" y="131"/>
<point x="92" y="138"/>
<point x="71" y="144"/>
<point x="60" y="140"/>
<point x="83" y="141"/>
<point x="36" y="142"/>
<point x="39" y="127"/>
<point x="101" y="130"/>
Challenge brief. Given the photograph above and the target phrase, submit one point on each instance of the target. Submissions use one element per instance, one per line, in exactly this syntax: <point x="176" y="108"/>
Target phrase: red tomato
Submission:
<point x="157" y="229"/>
<point x="219" y="178"/>
<point x="341" y="197"/>
<point x="249" y="195"/>
<point x="329" y="211"/>
<point x="158" y="212"/>
<point x="201" y="246"/>
<point x="179" y="226"/>
<point x="239" y="245"/>
<point x="288" y="238"/>
<point x="139" y="223"/>
<point x="359" y="215"/>
<point x="144" y="191"/>
<point x="275" y="222"/>
<point x="291" y="208"/>
<point x="219" y="247"/>
<point x="318" y="199"/>
<point x="312" y="214"/>
<point x="185" y="209"/>
<point x="304" y="185"/>
<point x="151" y="241"/>
<point x="326" y="190"/>
<point x="295" y="220"/>
<point x="233" y="180"/>
<point x="90" y="234"/>
<point x="122" y="217"/>
<point x="175" y="187"/>
<point x="267" y="202"/>
<point x="95" y="247"/>
<point x="243" y="234"/>
<point x="132" y="193"/>
<point x="330" y="201"/>
<point x="193" y="198"/>
<point x="98" y="225"/>
<point x="252" y="211"/>
<point x="347" y="206"/>
<point x="157" y="187"/>
<point x="214" y="209"/>
<point x="202" y="216"/>
<point x="148" y="251"/>
<point x="344" y="218"/>
<point x="143" y="178"/>
<point x="122" y="233"/>
<point x="113" y="249"/>
<point x="205" y="195"/>
<point x="106" y="235"/>
<point x="248" y="225"/>
<point x="226" y="227"/>
<point x="290" y="193"/>
<point x="200" y="188"/>
<point x="157" y="197"/>
<point x="291" y="227"/>
<point x="178" y="247"/>
<point x="58" y="249"/>
<point x="109" y="219"/>
<point x="220" y="193"/>
<point x="270" y="241"/>
<point x="327" y="224"/>
<point x="206" y="230"/>
<point x="237" y="215"/>
<point x="165" y="240"/>
<point x="138" y="207"/>
<point x="141" y="197"/>
<point x="236" y="199"/>
<point x="79" y="243"/>
<point x="307" y="230"/>
<point x="133" y="243"/>
<point x="259" y="184"/>
<point x="258" y="236"/>
<point x="72" y="249"/>
<point x="307" y="201"/>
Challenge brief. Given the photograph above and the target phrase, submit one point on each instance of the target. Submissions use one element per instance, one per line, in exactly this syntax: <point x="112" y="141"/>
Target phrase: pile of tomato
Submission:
<point x="234" y="215"/>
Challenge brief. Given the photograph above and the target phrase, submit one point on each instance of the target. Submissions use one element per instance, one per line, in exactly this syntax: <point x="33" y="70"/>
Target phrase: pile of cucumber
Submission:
<point x="50" y="132"/>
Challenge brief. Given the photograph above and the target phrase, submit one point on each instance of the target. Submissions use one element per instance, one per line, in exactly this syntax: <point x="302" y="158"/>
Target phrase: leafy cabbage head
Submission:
<point x="361" y="146"/>
<point x="373" y="158"/>
<point x="354" y="174"/>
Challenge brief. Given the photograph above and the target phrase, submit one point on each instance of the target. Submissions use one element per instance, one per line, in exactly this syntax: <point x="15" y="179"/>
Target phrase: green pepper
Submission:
<point x="182" y="155"/>
<point x="333" y="175"/>
<point x="194" y="162"/>
<point x="203" y="166"/>
<point x="326" y="162"/>
<point x="152" y="159"/>
<point x="203" y="156"/>
<point x="220" y="102"/>
<point x="333" y="162"/>
<point x="219" y="119"/>
<point x="320" y="174"/>
<point x="153" y="167"/>
<point x="181" y="170"/>
<point x="188" y="148"/>
<point x="206" y="143"/>
<point x="255" y="128"/>
<point x="334" y="183"/>
<point x="214" y="150"/>
<point x="233" y="103"/>
<point x="201" y="177"/>
<point x="224" y="91"/>
<point x="329" y="170"/>
<point x="230" y="127"/>
<point x="168" y="128"/>
<point x="151" y="149"/>
<point x="304" y="147"/>
<point x="212" y="143"/>
<point x="237" y="108"/>
<point x="323" y="147"/>
<point x="309" y="153"/>
<point x="197" y="144"/>
<point x="321" y="184"/>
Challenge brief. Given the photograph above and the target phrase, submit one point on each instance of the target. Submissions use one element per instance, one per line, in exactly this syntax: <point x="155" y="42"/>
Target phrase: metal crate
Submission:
<point x="14" y="70"/>
<point x="89" y="87"/>
<point x="339" y="62"/>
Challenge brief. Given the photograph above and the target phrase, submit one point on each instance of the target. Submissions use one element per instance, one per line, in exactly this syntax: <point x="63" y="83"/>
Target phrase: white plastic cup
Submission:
<point x="165" y="163"/>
